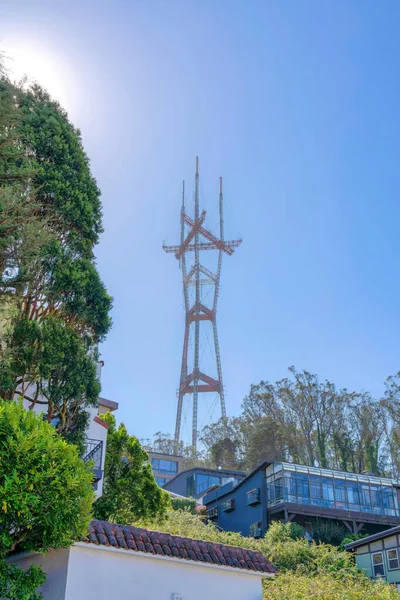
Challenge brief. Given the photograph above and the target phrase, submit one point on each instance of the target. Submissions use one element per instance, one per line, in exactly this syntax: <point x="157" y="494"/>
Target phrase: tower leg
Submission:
<point x="219" y="369"/>
<point x="181" y="385"/>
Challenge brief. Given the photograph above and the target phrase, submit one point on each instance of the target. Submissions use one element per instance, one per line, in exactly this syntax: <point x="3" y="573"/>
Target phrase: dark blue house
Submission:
<point x="277" y="491"/>
<point x="196" y="482"/>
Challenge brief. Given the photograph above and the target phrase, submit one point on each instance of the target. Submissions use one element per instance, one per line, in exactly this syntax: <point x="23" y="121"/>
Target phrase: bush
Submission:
<point x="45" y="488"/>
<point x="328" y="532"/>
<point x="300" y="586"/>
<point x="287" y="553"/>
<point x="17" y="584"/>
<point x="188" y="504"/>
<point x="184" y="523"/>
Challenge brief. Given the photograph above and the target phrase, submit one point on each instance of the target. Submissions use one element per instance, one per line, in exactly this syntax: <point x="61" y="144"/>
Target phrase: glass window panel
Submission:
<point x="290" y="489"/>
<point x="190" y="486"/>
<point x="377" y="564"/>
<point x="340" y="494"/>
<point x="315" y="486"/>
<point x="303" y="491"/>
<point x="388" y="501"/>
<point x="164" y="466"/>
<point x="327" y="491"/>
<point x="376" y="499"/>
<point x="271" y="493"/>
<point x="161" y="480"/>
<point x="204" y="482"/>
<point x="353" y="495"/>
<point x="393" y="559"/>
<point x="279" y="488"/>
<point x="365" y="497"/>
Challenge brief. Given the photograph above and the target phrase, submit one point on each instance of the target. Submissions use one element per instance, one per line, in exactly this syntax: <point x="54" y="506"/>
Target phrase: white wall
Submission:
<point x="98" y="573"/>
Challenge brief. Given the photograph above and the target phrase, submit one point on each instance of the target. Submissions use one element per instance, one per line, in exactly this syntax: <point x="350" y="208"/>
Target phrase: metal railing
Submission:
<point x="94" y="451"/>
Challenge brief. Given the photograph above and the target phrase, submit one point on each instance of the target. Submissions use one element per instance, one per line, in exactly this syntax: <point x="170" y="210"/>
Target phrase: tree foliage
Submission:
<point x="45" y="488"/>
<point x="129" y="490"/>
<point x="18" y="584"/>
<point x="54" y="308"/>
<point x="304" y="420"/>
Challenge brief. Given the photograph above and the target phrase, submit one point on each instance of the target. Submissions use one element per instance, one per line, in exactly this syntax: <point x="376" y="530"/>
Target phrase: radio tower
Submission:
<point x="197" y="279"/>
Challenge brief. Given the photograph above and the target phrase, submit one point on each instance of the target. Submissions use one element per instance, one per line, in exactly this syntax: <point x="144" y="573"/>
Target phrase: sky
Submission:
<point x="295" y="103"/>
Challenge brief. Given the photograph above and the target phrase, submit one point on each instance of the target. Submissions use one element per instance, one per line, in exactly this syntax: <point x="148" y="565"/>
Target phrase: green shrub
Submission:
<point x="46" y="490"/>
<point x="300" y="586"/>
<point x="17" y="584"/>
<point x="184" y="504"/>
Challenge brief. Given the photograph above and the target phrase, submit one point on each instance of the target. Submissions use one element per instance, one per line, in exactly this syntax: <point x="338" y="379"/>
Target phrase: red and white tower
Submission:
<point x="200" y="292"/>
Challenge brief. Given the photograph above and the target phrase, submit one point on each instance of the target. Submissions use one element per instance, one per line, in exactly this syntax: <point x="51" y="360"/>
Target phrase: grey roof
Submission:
<point x="228" y="472"/>
<point x="108" y="403"/>
<point x="373" y="538"/>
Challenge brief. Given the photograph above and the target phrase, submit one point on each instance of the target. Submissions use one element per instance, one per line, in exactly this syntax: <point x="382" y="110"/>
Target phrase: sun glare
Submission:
<point x="40" y="65"/>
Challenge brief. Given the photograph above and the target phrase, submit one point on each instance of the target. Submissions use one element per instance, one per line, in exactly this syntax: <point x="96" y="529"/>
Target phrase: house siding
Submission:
<point x="363" y="557"/>
<point x="243" y="516"/>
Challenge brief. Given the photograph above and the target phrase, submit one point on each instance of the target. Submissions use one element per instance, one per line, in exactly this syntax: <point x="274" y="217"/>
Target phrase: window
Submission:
<point x="378" y="568"/>
<point x="327" y="493"/>
<point x="199" y="483"/>
<point x="255" y="530"/>
<point x="212" y="513"/>
<point x="161" y="480"/>
<point x="253" y="496"/>
<point x="353" y="495"/>
<point x="290" y="487"/>
<point x="229" y="505"/>
<point x="393" y="559"/>
<point x="315" y="490"/>
<point x="376" y="499"/>
<point x="340" y="493"/>
<point x="388" y="501"/>
<point x="164" y="466"/>
<point x="303" y="488"/>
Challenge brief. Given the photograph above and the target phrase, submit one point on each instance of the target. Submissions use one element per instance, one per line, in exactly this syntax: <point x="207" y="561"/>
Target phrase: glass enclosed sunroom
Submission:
<point x="356" y="498"/>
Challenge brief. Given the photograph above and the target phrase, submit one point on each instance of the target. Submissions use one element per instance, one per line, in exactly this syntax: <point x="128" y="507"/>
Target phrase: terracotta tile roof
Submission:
<point x="165" y="544"/>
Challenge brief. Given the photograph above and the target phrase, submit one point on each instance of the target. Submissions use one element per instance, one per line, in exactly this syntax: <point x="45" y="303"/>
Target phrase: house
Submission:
<point x="289" y="492"/>
<point x="96" y="434"/>
<point x="379" y="555"/>
<point x="165" y="466"/>
<point x="120" y="562"/>
<point x="196" y="482"/>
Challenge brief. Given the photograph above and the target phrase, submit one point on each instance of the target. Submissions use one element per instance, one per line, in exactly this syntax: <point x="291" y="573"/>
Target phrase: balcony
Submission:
<point x="94" y="452"/>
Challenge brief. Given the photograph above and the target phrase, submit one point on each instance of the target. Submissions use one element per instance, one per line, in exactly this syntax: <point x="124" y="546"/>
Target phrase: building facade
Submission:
<point x="196" y="482"/>
<point x="289" y="492"/>
<point x="165" y="466"/>
<point x="122" y="562"/>
<point x="96" y="434"/>
<point x="379" y="555"/>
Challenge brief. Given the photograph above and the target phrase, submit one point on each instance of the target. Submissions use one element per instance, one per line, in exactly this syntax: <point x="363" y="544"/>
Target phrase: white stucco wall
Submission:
<point x="100" y="573"/>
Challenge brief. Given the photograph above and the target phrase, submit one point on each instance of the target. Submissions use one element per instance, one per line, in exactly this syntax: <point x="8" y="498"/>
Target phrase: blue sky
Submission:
<point x="296" y="104"/>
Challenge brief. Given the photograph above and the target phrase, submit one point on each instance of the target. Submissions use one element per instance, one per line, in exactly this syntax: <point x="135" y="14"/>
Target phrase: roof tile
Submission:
<point x="165" y="544"/>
